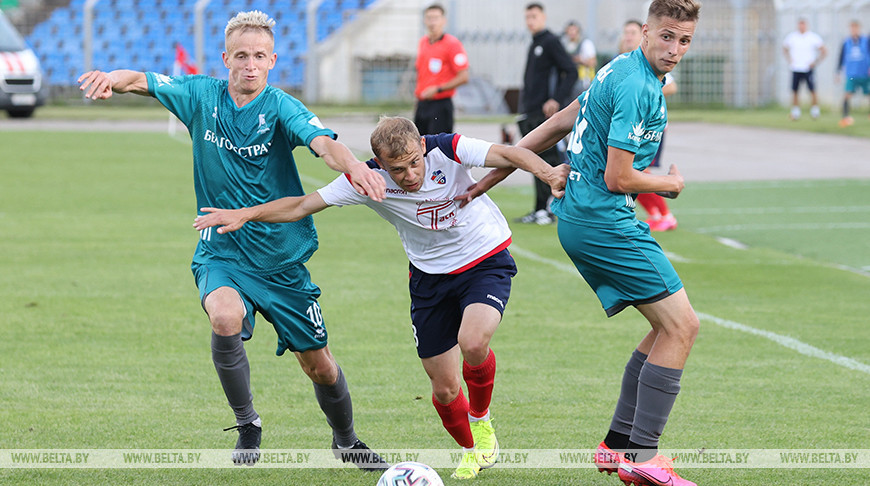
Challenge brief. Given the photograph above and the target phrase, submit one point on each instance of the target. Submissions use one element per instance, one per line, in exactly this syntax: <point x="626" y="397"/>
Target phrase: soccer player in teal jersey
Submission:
<point x="243" y="133"/>
<point x="617" y="125"/>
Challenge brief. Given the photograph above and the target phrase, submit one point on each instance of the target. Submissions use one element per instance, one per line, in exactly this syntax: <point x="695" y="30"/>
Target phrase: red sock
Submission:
<point x="660" y="204"/>
<point x="454" y="417"/>
<point x="650" y="205"/>
<point x="480" y="380"/>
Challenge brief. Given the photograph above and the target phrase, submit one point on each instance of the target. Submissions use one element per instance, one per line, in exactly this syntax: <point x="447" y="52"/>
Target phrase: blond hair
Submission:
<point x="393" y="137"/>
<point x="253" y="20"/>
<point x="679" y="10"/>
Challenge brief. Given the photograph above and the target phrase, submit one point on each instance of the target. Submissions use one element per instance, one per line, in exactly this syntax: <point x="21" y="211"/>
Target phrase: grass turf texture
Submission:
<point x="105" y="345"/>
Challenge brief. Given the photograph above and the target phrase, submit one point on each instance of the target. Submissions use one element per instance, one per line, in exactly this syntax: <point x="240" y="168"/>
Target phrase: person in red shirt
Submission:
<point x="442" y="66"/>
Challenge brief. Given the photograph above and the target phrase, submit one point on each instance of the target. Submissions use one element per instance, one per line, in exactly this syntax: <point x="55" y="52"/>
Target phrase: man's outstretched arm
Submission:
<point x="99" y="85"/>
<point x="506" y="156"/>
<point x="541" y="138"/>
<point x="284" y="210"/>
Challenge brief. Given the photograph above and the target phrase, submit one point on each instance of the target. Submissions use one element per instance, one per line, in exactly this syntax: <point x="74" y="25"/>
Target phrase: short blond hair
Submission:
<point x="679" y="10"/>
<point x="393" y="137"/>
<point x="253" y="20"/>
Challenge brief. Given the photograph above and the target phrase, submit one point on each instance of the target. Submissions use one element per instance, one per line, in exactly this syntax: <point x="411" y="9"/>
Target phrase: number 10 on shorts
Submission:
<point x="315" y="317"/>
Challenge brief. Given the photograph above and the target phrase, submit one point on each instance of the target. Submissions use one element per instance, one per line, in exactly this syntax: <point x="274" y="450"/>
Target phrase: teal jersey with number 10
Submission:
<point x="243" y="157"/>
<point x="624" y="108"/>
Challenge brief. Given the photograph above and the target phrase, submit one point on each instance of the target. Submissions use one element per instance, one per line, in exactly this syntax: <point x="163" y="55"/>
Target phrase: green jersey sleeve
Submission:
<point x="627" y="124"/>
<point x="177" y="93"/>
<point x="300" y="125"/>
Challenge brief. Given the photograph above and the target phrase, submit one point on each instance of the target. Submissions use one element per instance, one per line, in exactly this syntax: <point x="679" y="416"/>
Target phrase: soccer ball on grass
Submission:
<point x="410" y="474"/>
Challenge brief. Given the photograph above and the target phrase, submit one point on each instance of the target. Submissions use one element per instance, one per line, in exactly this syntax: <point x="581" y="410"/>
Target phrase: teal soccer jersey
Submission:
<point x="626" y="110"/>
<point x="243" y="157"/>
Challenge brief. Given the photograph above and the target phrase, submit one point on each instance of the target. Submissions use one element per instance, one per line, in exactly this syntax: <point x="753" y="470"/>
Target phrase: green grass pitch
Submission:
<point x="105" y="345"/>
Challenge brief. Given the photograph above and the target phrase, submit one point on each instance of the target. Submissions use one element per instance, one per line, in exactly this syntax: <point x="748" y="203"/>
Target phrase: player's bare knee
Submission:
<point x="686" y="329"/>
<point x="225" y="323"/>
<point x="323" y="372"/>
<point x="475" y="352"/>
<point x="446" y="392"/>
<point x="692" y="327"/>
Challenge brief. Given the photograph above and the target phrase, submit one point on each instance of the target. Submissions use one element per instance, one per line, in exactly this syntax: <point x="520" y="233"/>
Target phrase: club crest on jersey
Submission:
<point x="436" y="214"/>
<point x="263" y="128"/>
<point x="439" y="177"/>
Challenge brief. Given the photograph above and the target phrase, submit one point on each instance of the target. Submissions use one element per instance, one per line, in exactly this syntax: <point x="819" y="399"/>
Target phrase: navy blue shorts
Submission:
<point x="438" y="300"/>
<point x="798" y="78"/>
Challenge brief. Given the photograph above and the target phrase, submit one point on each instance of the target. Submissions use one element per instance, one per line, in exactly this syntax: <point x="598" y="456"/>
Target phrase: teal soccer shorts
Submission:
<point x="852" y="85"/>
<point x="624" y="266"/>
<point x="288" y="300"/>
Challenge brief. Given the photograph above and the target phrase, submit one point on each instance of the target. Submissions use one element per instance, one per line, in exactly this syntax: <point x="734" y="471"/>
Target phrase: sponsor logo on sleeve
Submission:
<point x="315" y="122"/>
<point x="639" y="133"/>
<point x="162" y="80"/>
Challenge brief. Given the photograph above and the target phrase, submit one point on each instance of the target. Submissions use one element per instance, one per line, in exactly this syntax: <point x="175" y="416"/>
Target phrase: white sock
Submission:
<point x="472" y="418"/>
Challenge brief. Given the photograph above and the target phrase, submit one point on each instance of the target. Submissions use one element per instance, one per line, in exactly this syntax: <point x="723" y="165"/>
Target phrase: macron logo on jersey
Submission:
<point x="316" y="122"/>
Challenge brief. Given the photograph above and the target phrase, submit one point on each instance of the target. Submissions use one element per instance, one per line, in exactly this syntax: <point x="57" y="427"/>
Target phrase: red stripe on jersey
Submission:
<point x="348" y="178"/>
<point x="455" y="143"/>
<point x="468" y="266"/>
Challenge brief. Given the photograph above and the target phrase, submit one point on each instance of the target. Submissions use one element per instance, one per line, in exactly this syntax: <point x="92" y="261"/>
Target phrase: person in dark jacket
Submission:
<point x="549" y="77"/>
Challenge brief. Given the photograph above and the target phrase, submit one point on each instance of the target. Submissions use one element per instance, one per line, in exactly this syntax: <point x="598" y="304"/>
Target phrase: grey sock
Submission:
<point x="656" y="392"/>
<point x="623" y="416"/>
<point x="231" y="364"/>
<point x="335" y="402"/>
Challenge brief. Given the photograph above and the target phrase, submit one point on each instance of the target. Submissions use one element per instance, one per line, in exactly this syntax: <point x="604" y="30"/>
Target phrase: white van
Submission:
<point x="21" y="83"/>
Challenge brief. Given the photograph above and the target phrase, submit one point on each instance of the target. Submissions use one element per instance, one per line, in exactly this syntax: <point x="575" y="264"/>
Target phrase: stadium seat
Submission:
<point x="134" y="35"/>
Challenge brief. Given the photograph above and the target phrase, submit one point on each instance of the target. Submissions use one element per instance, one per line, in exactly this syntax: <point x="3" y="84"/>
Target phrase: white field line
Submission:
<point x="732" y="243"/>
<point x="788" y="342"/>
<point x="809" y="184"/>
<point x="784" y="227"/>
<point x="676" y="258"/>
<point x="775" y="210"/>
<point x="791" y="343"/>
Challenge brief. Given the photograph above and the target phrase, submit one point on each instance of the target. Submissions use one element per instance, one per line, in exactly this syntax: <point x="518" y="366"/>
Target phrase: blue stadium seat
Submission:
<point x="141" y="35"/>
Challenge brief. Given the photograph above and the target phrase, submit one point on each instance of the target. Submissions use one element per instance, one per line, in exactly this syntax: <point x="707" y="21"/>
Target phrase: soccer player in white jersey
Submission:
<point x="243" y="133"/>
<point x="460" y="268"/>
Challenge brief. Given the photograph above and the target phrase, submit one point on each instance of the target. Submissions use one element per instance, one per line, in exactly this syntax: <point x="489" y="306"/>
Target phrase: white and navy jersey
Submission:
<point x="439" y="237"/>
